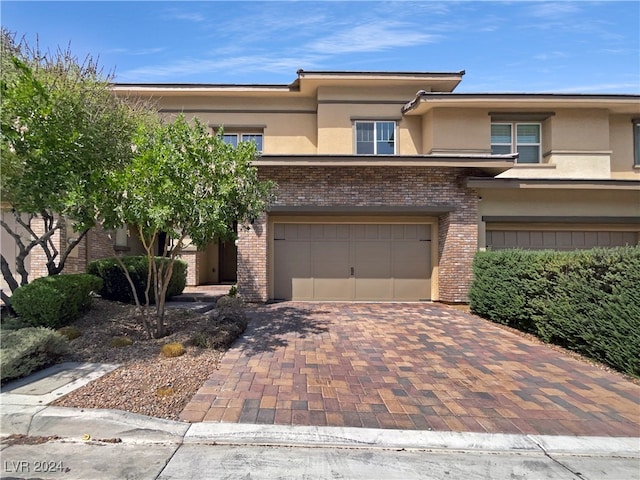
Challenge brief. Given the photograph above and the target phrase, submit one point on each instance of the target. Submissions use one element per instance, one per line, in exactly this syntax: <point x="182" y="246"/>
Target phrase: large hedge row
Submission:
<point x="587" y="301"/>
<point x="54" y="301"/>
<point x="116" y="287"/>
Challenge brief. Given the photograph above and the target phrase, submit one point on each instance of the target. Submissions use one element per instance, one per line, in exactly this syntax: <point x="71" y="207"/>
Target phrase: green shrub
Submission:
<point x="116" y="287"/>
<point x="55" y="301"/>
<point x="29" y="349"/>
<point x="587" y="301"/>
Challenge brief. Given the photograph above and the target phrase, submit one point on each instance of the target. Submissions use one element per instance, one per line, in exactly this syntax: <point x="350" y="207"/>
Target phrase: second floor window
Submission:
<point x="234" y="138"/>
<point x="375" y="138"/>
<point x="523" y="138"/>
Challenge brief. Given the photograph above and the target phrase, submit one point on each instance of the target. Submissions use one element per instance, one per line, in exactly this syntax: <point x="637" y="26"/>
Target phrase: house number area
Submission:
<point x="37" y="466"/>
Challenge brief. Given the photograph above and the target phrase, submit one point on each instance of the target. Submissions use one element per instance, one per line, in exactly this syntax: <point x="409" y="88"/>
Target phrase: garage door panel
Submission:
<point x="372" y="269"/>
<point x="294" y="270"/>
<point x="559" y="239"/>
<point x="411" y="270"/>
<point x="330" y="270"/>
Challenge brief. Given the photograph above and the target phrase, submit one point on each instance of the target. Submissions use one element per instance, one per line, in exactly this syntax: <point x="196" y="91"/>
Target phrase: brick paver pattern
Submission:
<point x="408" y="366"/>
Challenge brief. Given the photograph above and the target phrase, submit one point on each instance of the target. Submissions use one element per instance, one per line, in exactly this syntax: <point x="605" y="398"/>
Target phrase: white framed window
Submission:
<point x="512" y="137"/>
<point x="234" y="138"/>
<point x="636" y="143"/>
<point x="375" y="137"/>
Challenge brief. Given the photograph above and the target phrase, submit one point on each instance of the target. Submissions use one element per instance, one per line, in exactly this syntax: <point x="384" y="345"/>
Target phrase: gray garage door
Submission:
<point x="558" y="240"/>
<point x="352" y="261"/>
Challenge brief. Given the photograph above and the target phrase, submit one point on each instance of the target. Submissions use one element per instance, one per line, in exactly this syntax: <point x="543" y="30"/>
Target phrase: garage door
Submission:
<point x="558" y="240"/>
<point x="352" y="261"/>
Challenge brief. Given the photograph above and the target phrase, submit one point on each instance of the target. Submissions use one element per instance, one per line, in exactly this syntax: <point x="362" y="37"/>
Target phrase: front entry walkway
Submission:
<point x="408" y="366"/>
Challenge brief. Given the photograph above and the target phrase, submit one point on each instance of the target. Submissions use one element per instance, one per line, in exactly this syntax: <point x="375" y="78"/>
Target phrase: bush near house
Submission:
<point x="116" y="287"/>
<point x="27" y="350"/>
<point x="54" y="301"/>
<point x="587" y="301"/>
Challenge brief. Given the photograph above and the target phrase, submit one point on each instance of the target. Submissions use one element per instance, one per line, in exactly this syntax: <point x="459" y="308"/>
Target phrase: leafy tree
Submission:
<point x="62" y="131"/>
<point x="185" y="183"/>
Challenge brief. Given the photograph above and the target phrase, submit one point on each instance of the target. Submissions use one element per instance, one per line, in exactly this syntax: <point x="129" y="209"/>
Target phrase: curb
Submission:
<point x="77" y="424"/>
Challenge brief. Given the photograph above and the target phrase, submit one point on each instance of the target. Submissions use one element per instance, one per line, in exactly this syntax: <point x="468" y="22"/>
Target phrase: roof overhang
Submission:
<point x="426" y="101"/>
<point x="343" y="210"/>
<point x="306" y="84"/>
<point x="553" y="183"/>
<point x="492" y="163"/>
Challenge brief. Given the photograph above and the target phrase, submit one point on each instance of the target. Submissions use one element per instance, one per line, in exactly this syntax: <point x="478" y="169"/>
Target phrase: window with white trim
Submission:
<point x="636" y="143"/>
<point x="516" y="137"/>
<point x="234" y="138"/>
<point x="375" y="138"/>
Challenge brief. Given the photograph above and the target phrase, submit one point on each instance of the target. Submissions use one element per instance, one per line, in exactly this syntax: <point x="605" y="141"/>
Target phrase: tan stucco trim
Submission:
<point x="501" y="163"/>
<point x="516" y="102"/>
<point x="546" y="183"/>
<point x="363" y="219"/>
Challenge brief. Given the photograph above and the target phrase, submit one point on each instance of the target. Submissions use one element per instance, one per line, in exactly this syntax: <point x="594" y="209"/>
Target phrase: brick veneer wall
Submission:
<point x="372" y="186"/>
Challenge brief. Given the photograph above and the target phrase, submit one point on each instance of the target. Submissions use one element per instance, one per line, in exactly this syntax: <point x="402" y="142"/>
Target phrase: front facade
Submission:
<point x="386" y="194"/>
<point x="388" y="183"/>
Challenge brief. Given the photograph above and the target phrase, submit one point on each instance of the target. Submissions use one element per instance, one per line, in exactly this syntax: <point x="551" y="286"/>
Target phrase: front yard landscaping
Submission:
<point x="148" y="382"/>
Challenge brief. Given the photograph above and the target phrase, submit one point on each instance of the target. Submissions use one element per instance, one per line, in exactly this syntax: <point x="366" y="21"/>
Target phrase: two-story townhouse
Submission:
<point x="386" y="194"/>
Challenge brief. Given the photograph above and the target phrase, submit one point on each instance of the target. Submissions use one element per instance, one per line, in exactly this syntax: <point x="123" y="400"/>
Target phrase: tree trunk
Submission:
<point x="54" y="269"/>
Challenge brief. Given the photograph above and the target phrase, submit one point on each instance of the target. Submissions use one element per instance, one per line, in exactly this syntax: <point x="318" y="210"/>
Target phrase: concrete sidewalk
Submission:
<point x="107" y="444"/>
<point x="41" y="441"/>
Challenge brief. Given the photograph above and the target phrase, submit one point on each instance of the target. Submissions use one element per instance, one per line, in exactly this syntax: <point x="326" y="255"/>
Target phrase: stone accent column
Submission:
<point x="252" y="260"/>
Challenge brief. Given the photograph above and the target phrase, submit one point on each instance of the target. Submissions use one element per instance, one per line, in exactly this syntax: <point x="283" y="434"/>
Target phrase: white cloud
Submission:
<point x="552" y="10"/>
<point x="134" y="52"/>
<point x="602" y="88"/>
<point x="371" y="37"/>
<point x="550" y="55"/>
<point x="239" y="64"/>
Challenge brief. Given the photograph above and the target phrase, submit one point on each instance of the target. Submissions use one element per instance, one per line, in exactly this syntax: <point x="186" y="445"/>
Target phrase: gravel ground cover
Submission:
<point x="146" y="382"/>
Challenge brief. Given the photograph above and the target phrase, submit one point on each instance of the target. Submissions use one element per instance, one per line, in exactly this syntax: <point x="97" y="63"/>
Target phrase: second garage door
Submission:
<point x="352" y="261"/>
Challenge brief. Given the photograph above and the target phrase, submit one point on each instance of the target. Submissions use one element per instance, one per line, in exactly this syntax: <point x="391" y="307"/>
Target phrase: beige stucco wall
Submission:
<point x="579" y="129"/>
<point x="456" y="130"/>
<point x="621" y="140"/>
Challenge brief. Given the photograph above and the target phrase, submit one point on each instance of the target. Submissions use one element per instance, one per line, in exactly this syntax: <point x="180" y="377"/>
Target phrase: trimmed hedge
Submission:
<point x="116" y="287"/>
<point x="587" y="301"/>
<point x="27" y="350"/>
<point x="55" y="301"/>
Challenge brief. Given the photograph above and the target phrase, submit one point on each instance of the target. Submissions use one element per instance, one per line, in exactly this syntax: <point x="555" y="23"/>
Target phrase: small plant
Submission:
<point x="119" y="342"/>
<point x="70" y="332"/>
<point x="233" y="291"/>
<point x="165" y="391"/>
<point x="200" y="340"/>
<point x="170" y="350"/>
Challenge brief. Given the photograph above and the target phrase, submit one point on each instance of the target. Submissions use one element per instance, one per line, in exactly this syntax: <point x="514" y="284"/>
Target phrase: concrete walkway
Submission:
<point x="409" y="366"/>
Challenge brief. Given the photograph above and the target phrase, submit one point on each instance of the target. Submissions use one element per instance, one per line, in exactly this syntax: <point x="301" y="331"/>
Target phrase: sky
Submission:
<point x="517" y="46"/>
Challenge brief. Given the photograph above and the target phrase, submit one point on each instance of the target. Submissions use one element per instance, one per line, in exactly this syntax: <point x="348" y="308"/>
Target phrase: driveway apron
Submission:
<point x="408" y="366"/>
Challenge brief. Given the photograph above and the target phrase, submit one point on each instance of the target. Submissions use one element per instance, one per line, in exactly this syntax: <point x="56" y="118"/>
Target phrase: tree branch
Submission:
<point x="8" y="276"/>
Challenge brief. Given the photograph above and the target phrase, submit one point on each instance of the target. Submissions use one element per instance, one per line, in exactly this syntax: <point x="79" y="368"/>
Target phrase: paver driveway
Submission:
<point x="408" y="366"/>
